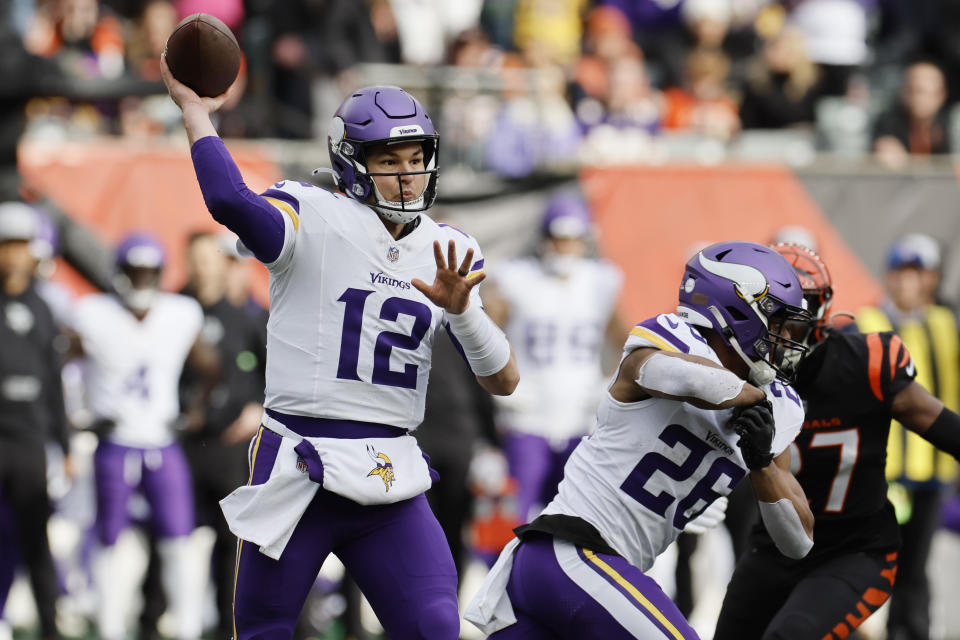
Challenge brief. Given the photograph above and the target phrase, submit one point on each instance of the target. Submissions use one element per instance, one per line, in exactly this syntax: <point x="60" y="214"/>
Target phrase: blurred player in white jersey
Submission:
<point x="350" y="335"/>
<point x="556" y="309"/>
<point x="135" y="343"/>
<point x="679" y="426"/>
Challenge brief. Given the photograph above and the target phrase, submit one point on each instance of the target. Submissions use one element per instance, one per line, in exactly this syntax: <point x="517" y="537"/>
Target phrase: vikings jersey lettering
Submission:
<point x="556" y="327"/>
<point x="133" y="366"/>
<point x="348" y="336"/>
<point x="654" y="465"/>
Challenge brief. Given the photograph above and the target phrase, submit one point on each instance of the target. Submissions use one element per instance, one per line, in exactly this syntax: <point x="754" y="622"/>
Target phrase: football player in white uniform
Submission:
<point x="556" y="309"/>
<point x="135" y="344"/>
<point x="352" y="323"/>
<point x="679" y="426"/>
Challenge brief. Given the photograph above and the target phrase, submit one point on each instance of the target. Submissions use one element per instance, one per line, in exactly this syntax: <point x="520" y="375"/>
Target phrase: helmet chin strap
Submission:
<point x="394" y="215"/>
<point x="761" y="373"/>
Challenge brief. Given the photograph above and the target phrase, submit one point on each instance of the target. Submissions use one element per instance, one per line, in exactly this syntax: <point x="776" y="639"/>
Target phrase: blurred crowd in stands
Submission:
<point x="519" y="85"/>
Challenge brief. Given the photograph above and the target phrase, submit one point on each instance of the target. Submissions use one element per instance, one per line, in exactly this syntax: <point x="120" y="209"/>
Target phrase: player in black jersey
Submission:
<point x="852" y="385"/>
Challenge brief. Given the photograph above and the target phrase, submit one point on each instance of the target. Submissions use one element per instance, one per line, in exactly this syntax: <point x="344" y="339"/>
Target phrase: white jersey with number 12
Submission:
<point x="349" y="337"/>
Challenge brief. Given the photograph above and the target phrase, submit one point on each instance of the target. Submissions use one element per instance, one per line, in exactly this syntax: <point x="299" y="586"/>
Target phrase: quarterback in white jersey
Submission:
<point x="352" y="324"/>
<point x="135" y="343"/>
<point x="678" y="428"/>
<point x="362" y="320"/>
<point x="558" y="310"/>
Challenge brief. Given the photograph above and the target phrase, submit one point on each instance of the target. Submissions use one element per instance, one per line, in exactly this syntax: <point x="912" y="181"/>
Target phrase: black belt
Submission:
<point x="568" y="528"/>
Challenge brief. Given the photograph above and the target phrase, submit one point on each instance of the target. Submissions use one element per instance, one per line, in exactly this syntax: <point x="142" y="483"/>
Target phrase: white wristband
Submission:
<point x="783" y="524"/>
<point x="484" y="344"/>
<point x="682" y="378"/>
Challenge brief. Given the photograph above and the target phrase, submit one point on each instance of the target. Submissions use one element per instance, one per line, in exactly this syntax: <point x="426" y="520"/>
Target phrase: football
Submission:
<point x="203" y="54"/>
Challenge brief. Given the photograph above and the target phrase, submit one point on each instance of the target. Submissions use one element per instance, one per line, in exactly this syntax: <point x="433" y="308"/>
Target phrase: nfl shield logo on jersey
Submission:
<point x="302" y="465"/>
<point x="393" y="254"/>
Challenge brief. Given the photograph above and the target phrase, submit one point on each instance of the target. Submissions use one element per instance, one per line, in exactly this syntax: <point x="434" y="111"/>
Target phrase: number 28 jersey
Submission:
<point x="654" y="465"/>
<point x="556" y="326"/>
<point x="348" y="336"/>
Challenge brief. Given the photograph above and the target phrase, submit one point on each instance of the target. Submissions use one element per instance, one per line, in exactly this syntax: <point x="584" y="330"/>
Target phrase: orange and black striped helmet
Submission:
<point x="816" y="282"/>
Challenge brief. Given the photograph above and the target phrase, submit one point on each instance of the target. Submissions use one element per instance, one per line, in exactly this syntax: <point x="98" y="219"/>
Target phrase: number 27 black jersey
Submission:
<point x="848" y="384"/>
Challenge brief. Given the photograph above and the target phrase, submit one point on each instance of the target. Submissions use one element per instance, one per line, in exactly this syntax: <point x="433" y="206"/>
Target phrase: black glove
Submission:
<point x="755" y="426"/>
<point x="102" y="427"/>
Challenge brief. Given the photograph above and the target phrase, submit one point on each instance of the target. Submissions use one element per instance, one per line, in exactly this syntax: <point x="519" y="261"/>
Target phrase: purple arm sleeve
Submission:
<point x="258" y="224"/>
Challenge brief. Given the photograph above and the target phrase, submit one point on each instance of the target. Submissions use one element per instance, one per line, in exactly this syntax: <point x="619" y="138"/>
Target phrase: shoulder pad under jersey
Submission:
<point x="669" y="333"/>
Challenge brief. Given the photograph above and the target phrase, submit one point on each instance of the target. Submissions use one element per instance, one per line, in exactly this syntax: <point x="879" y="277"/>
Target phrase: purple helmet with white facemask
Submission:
<point x="566" y="216"/>
<point x="139" y="260"/>
<point x="381" y="115"/>
<point x="140" y="250"/>
<point x="740" y="289"/>
<point x="566" y="231"/>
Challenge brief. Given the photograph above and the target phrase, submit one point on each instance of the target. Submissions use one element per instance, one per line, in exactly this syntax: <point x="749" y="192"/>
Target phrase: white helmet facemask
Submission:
<point x="562" y="265"/>
<point x="761" y="372"/>
<point x="137" y="300"/>
<point x="388" y="208"/>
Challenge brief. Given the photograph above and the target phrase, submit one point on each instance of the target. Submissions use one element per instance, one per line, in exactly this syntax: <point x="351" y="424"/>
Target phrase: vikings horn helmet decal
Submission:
<point x="748" y="281"/>
<point x="737" y="289"/>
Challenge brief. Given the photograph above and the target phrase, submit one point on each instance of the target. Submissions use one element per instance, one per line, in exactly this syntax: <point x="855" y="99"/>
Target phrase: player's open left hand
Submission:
<point x="755" y="426"/>
<point x="451" y="288"/>
<point x="184" y="96"/>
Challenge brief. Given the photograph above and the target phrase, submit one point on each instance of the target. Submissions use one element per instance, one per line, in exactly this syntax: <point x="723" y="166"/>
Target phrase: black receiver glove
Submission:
<point x="102" y="427"/>
<point x="755" y="426"/>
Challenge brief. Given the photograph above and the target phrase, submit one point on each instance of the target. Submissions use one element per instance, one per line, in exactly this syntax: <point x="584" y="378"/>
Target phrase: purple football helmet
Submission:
<point x="140" y="250"/>
<point x="737" y="288"/>
<point x="376" y="116"/>
<point x="566" y="216"/>
<point x="140" y="259"/>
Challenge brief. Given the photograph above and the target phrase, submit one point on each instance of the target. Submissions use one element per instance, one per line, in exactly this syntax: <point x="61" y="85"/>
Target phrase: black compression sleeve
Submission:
<point x="944" y="433"/>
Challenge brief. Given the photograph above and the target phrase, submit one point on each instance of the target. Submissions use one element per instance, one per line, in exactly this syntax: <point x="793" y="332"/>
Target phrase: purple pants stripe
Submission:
<point x="258" y="475"/>
<point x="613" y="577"/>
<point x="266" y="445"/>
<point x="569" y="592"/>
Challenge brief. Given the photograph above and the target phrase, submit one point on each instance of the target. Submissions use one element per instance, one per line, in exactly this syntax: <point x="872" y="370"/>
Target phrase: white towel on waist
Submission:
<point x="365" y="470"/>
<point x="491" y="610"/>
<point x="266" y="514"/>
